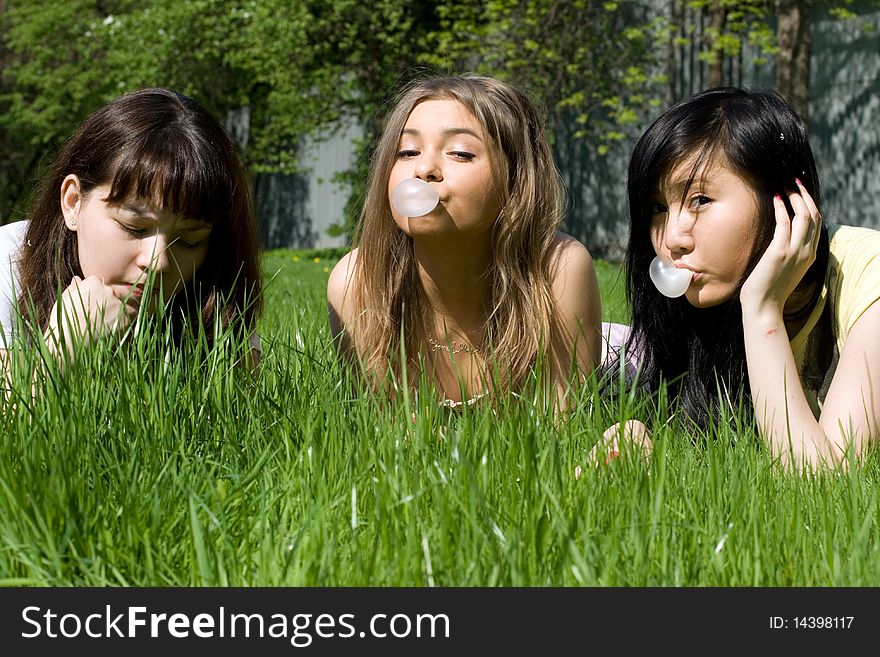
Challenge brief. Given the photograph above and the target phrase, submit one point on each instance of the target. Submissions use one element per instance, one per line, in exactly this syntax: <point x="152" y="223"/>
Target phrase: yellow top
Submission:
<point x="852" y="284"/>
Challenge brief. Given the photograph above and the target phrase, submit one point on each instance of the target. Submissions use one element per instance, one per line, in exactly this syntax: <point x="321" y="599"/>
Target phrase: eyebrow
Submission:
<point x="137" y="208"/>
<point x="448" y="132"/>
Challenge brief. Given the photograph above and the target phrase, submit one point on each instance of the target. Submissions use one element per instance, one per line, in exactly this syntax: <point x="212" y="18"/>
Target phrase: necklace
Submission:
<point x="454" y="347"/>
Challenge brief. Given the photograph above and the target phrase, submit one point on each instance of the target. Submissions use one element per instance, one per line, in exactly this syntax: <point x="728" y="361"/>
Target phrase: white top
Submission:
<point x="11" y="239"/>
<point x="614" y="336"/>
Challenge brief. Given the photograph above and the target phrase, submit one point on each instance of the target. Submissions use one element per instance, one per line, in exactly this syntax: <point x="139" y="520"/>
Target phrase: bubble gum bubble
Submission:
<point x="669" y="279"/>
<point x="414" y="197"/>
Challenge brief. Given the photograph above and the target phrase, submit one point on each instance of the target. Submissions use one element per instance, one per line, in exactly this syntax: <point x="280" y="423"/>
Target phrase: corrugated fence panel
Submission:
<point x="295" y="211"/>
<point x="845" y="118"/>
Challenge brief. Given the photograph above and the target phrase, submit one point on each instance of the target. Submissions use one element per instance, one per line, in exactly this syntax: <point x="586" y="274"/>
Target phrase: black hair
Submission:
<point x="700" y="353"/>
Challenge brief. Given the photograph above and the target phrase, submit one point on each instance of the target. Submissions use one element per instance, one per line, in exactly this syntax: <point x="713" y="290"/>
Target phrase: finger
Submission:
<point x="110" y="293"/>
<point x="782" y="232"/>
<point x="808" y="200"/>
<point x="802" y="224"/>
<point x="123" y="319"/>
<point x="604" y="451"/>
<point x="814" y="211"/>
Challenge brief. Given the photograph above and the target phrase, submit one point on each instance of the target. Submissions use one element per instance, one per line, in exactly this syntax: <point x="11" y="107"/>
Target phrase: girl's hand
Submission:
<point x="788" y="257"/>
<point x="88" y="309"/>
<point x="609" y="447"/>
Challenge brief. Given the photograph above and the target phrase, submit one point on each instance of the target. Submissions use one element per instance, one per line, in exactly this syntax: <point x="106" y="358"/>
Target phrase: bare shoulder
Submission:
<point x="573" y="280"/>
<point x="340" y="286"/>
<point x="575" y="291"/>
<point x="570" y="261"/>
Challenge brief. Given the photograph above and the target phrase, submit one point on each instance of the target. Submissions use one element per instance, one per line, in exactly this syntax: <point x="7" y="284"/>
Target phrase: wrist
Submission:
<point x="760" y="306"/>
<point x="763" y="319"/>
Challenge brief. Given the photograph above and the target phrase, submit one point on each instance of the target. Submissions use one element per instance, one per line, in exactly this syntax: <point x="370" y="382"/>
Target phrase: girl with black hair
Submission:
<point x="780" y="309"/>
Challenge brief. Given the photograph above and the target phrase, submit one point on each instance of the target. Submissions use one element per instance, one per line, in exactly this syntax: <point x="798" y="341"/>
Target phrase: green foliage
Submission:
<point x="852" y="12"/>
<point x="299" y="67"/>
<point x="740" y="22"/>
<point x="154" y="467"/>
<point x="593" y="62"/>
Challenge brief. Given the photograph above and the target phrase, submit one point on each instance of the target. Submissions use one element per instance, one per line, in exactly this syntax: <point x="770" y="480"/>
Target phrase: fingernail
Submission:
<point x="777" y="197"/>
<point x="798" y="181"/>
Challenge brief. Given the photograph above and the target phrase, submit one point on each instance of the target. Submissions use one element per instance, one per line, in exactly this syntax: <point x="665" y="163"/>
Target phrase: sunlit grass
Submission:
<point x="143" y="467"/>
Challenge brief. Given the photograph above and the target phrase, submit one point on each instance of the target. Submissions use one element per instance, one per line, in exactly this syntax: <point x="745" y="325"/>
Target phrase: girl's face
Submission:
<point x="124" y="244"/>
<point x="446" y="147"/>
<point x="711" y="231"/>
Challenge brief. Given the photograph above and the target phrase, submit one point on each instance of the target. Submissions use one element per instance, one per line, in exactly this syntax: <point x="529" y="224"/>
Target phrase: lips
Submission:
<point x="683" y="265"/>
<point x="131" y="295"/>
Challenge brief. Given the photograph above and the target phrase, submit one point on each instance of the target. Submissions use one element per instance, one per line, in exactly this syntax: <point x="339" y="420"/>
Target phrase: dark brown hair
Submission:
<point x="153" y="144"/>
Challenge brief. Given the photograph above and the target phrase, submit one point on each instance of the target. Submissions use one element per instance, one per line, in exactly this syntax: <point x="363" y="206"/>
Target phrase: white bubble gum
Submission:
<point x="669" y="279"/>
<point x="414" y="197"/>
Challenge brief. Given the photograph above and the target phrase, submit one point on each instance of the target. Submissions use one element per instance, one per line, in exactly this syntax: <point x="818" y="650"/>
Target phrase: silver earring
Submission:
<point x="74" y="223"/>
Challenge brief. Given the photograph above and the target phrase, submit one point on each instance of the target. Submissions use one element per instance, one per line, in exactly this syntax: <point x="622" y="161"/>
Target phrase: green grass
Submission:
<point x="141" y="468"/>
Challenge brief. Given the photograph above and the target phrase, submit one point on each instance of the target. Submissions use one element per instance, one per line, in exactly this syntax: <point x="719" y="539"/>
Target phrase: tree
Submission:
<point x="707" y="41"/>
<point x="793" y="35"/>
<point x="297" y="67"/>
<point x="591" y="62"/>
<point x="777" y="30"/>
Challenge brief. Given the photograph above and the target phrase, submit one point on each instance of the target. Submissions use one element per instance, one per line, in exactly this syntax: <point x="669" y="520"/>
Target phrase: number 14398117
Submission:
<point x="811" y="622"/>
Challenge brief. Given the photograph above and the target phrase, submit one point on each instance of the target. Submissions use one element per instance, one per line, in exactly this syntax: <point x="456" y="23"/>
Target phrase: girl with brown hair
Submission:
<point x="146" y="205"/>
<point x="482" y="287"/>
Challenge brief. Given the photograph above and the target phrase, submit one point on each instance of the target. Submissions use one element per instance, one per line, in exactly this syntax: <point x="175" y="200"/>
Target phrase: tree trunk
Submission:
<point x="793" y="61"/>
<point x="717" y="21"/>
<point x="677" y="19"/>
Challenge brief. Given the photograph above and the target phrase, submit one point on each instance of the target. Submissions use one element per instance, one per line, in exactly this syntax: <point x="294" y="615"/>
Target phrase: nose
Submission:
<point x="428" y="167"/>
<point x="155" y="254"/>
<point x="678" y="233"/>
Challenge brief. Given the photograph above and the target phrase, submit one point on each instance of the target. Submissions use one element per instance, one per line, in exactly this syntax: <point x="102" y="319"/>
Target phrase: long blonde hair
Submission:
<point x="521" y="321"/>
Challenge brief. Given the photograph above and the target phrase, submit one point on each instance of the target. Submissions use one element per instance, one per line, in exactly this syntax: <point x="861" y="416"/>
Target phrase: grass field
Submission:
<point x="143" y="469"/>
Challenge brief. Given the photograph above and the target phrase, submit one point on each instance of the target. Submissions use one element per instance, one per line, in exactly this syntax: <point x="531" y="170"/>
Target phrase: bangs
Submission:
<point x="682" y="143"/>
<point x="699" y="157"/>
<point x="177" y="175"/>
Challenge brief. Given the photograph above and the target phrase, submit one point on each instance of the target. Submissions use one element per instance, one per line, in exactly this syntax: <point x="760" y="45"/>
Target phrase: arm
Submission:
<point x="577" y="342"/>
<point x="785" y="420"/>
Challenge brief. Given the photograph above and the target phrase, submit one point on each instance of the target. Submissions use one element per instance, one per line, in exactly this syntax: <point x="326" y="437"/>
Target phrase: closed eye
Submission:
<point x="134" y="232"/>
<point x="462" y="155"/>
<point x="193" y="239"/>
<point x="192" y="244"/>
<point x="406" y="153"/>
